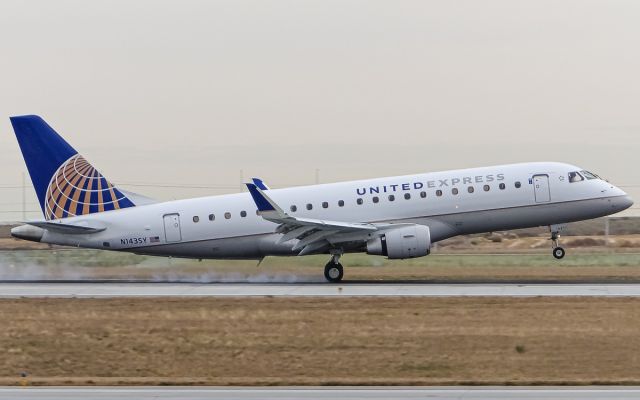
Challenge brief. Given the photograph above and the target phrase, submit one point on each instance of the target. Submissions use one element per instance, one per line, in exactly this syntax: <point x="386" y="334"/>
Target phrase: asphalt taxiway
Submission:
<point x="350" y="393"/>
<point x="127" y="289"/>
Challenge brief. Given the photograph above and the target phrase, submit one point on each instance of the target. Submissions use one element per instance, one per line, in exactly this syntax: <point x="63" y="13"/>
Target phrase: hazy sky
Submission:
<point x="191" y="92"/>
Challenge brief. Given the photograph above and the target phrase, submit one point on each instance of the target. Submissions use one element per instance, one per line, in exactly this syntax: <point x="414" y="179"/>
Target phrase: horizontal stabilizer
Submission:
<point x="66" y="228"/>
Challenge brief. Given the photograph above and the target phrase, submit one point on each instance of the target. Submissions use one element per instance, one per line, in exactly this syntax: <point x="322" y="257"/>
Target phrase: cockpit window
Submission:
<point x="589" y="175"/>
<point x="575" y="177"/>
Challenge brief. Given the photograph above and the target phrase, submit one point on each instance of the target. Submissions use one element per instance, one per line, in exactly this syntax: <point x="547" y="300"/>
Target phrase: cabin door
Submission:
<point x="172" y="228"/>
<point x="541" y="188"/>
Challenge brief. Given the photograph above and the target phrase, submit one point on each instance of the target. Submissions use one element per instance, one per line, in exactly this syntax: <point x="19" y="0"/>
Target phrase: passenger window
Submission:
<point x="359" y="201"/>
<point x="293" y="208"/>
<point x="309" y="206"/>
<point x="454" y="190"/>
<point x="407" y="196"/>
<point x="423" y="194"/>
<point x="325" y="204"/>
<point x="486" y="188"/>
<point x="212" y="217"/>
<point x="375" y="199"/>
<point x="502" y="186"/>
<point x="518" y="184"/>
<point x="392" y="197"/>
<point x="340" y="203"/>
<point x="438" y="192"/>
<point x="227" y="215"/>
<point x="470" y="189"/>
<point x="196" y="219"/>
<point x="243" y="214"/>
<point x="575" y="177"/>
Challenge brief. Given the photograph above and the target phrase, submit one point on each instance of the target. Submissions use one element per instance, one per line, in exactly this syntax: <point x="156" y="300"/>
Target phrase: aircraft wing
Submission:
<point x="314" y="235"/>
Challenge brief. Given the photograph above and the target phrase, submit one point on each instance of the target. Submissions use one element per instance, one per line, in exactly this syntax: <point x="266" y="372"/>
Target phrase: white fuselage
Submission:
<point x="184" y="228"/>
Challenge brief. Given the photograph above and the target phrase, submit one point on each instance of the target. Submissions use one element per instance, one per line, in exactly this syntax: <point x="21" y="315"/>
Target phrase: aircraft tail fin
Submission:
<point x="66" y="184"/>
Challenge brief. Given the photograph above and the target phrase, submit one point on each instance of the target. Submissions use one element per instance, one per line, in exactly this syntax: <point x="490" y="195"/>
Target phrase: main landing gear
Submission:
<point x="333" y="271"/>
<point x="558" y="252"/>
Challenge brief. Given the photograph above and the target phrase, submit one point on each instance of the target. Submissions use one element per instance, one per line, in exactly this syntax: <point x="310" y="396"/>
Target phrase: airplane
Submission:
<point x="396" y="217"/>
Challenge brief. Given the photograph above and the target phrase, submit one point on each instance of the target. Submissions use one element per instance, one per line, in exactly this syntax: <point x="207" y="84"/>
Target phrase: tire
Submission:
<point x="333" y="272"/>
<point x="558" y="253"/>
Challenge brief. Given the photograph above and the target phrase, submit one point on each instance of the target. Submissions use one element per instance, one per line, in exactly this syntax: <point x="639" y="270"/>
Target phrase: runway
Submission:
<point x="350" y="393"/>
<point x="125" y="289"/>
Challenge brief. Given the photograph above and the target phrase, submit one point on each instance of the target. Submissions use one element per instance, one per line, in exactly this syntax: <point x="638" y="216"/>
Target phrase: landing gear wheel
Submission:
<point x="333" y="272"/>
<point x="558" y="252"/>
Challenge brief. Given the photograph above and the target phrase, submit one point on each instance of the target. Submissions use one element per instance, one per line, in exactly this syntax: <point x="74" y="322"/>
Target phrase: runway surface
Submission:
<point x="111" y="289"/>
<point x="350" y="393"/>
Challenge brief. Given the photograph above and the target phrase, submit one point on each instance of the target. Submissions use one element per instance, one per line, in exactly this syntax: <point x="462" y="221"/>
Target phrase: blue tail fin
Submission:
<point x="66" y="184"/>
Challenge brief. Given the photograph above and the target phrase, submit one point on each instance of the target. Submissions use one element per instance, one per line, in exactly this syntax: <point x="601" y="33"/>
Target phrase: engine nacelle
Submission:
<point x="404" y="242"/>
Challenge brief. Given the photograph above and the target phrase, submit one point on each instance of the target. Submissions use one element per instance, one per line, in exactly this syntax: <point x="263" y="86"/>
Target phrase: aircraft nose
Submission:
<point x="621" y="203"/>
<point x="626" y="202"/>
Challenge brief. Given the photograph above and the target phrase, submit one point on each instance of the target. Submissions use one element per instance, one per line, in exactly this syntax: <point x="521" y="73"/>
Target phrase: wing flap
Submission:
<point x="314" y="235"/>
<point x="295" y="233"/>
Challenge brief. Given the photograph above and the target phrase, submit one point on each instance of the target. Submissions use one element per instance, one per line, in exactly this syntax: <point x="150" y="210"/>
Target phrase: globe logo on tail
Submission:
<point x="77" y="188"/>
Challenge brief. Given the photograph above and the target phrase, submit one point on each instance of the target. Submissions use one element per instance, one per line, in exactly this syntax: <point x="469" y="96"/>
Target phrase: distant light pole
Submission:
<point x="24" y="197"/>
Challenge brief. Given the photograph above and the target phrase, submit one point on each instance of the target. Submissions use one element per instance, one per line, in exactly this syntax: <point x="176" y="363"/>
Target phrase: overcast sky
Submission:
<point x="191" y="92"/>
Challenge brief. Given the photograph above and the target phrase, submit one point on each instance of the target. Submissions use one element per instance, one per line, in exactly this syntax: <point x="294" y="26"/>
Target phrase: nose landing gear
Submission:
<point x="333" y="271"/>
<point x="558" y="252"/>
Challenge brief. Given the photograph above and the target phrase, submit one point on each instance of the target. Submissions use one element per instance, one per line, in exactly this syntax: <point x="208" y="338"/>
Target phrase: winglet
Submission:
<point x="263" y="202"/>
<point x="260" y="184"/>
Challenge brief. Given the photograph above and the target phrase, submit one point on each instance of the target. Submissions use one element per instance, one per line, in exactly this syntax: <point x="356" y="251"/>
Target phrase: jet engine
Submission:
<point x="404" y="242"/>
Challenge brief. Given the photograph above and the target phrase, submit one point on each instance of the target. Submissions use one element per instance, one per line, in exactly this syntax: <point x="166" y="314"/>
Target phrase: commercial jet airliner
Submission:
<point x="396" y="217"/>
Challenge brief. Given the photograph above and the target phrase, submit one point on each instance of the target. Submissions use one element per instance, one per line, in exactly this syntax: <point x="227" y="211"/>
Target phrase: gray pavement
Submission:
<point x="324" y="393"/>
<point x="109" y="289"/>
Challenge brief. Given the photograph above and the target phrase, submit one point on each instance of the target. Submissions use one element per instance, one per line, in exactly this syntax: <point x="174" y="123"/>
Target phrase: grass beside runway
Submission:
<point x="583" y="264"/>
<point x="312" y="341"/>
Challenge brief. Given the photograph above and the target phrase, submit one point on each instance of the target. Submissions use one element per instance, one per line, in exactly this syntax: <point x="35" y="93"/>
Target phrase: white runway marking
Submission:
<point x="311" y="393"/>
<point x="107" y="289"/>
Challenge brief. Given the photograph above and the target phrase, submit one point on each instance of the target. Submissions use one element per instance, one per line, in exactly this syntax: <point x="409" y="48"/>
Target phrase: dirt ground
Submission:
<point x="320" y="341"/>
